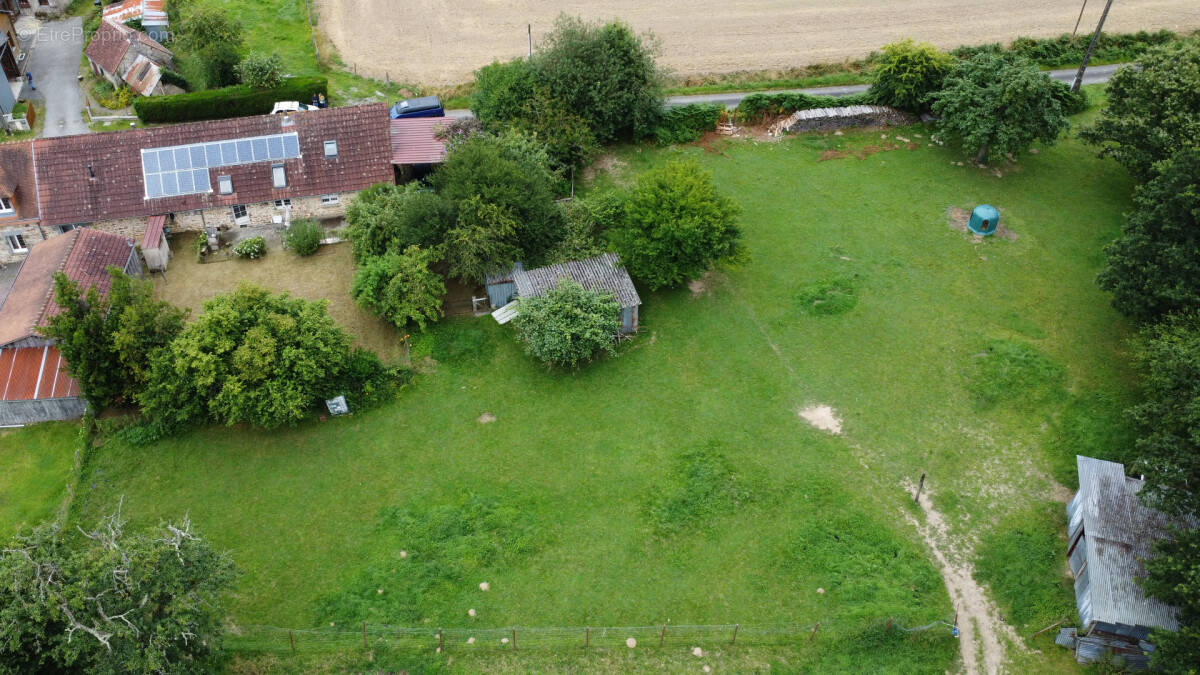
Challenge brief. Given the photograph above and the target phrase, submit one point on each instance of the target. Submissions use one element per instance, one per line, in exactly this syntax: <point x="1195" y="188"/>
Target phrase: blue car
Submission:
<point x="425" y="106"/>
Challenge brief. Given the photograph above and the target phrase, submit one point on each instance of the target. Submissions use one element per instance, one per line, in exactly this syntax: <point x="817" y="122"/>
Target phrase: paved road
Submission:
<point x="55" y="67"/>
<point x="1094" y="75"/>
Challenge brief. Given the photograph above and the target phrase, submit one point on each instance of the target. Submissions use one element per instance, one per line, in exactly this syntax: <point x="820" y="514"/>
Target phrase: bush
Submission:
<point x="684" y="124"/>
<point x="366" y="381"/>
<point x="304" y="237"/>
<point x="236" y="101"/>
<point x="758" y="108"/>
<point x="569" y="324"/>
<point x="999" y="104"/>
<point x="172" y="77"/>
<point x="252" y="248"/>
<point x="400" y="287"/>
<point x="501" y="90"/>
<point x="1153" y="109"/>
<point x="1066" y="50"/>
<point x="907" y="72"/>
<point x="262" y="71"/>
<point x="567" y="136"/>
<point x="676" y="226"/>
<point x="388" y="217"/>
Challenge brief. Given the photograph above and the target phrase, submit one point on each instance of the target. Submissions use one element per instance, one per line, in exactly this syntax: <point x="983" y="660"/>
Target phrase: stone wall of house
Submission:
<point x="28" y="231"/>
<point x="258" y="214"/>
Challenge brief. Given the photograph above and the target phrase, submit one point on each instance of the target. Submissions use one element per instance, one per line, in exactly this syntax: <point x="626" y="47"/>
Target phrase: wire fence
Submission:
<point x="368" y="636"/>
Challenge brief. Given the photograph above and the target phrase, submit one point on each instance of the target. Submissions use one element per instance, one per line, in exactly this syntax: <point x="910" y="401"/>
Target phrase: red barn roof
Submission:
<point x="84" y="255"/>
<point x="415" y="141"/>
<point x="32" y="373"/>
<point x="154" y="230"/>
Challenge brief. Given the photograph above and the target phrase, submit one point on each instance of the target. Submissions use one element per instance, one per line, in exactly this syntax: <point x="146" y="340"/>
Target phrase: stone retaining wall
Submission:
<point x="829" y="119"/>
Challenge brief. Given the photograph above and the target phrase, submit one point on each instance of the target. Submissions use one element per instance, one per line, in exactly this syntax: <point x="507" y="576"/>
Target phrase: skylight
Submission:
<point x="183" y="169"/>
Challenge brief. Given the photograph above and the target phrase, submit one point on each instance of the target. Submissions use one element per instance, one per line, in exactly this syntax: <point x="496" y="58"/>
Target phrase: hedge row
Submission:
<point x="1065" y="50"/>
<point x="684" y="124"/>
<point x="236" y="101"/>
<point x="757" y="108"/>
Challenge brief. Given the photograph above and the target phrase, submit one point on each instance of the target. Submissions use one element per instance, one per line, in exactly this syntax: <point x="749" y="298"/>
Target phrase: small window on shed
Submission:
<point x="225" y="185"/>
<point x="331" y="149"/>
<point x="279" y="176"/>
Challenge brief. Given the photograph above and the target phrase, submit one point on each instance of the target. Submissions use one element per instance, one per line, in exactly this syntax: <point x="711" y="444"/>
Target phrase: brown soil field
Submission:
<point x="438" y="43"/>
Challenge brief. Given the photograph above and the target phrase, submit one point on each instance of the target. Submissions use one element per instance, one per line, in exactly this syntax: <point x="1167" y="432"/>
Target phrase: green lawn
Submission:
<point x="675" y="483"/>
<point x="36" y="465"/>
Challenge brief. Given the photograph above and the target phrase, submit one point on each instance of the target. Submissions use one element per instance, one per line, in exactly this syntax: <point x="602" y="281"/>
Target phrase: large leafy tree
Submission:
<point x="251" y="357"/>
<point x="387" y="217"/>
<point x="501" y="91"/>
<point x="569" y="324"/>
<point x="108" y="341"/>
<point x="1168" y="454"/>
<point x="401" y="287"/>
<point x="676" y="225"/>
<point x="106" y="601"/>
<point x="510" y="171"/>
<point x="906" y="73"/>
<point x="1154" y="267"/>
<point x="1153" y="109"/>
<point x="213" y="37"/>
<point x="604" y="73"/>
<point x="482" y="242"/>
<point x="999" y="103"/>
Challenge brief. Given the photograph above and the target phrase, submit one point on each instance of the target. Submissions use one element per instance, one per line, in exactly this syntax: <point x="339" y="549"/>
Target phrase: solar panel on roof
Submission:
<point x="183" y="169"/>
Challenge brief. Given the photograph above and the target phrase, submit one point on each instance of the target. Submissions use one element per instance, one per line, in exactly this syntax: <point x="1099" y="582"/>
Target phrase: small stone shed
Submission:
<point x="603" y="272"/>
<point x="1110" y="532"/>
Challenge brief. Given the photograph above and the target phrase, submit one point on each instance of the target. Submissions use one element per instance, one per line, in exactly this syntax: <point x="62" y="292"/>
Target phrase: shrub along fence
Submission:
<point x="367" y="636"/>
<point x="237" y="101"/>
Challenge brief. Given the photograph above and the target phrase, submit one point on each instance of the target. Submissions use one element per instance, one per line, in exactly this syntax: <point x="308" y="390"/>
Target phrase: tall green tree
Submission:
<point x="907" y="73"/>
<point x="604" y="73"/>
<point x="213" y="37"/>
<point x="482" y="242"/>
<point x="999" y="103"/>
<point x="675" y="225"/>
<point x="1173" y="576"/>
<point x="108" y="601"/>
<point x="390" y="218"/>
<point x="1154" y="267"/>
<point x="1153" y="109"/>
<point x="501" y="91"/>
<point x="261" y="70"/>
<point x="251" y="356"/>
<point x="401" y="287"/>
<point x="569" y="324"/>
<point x="109" y="340"/>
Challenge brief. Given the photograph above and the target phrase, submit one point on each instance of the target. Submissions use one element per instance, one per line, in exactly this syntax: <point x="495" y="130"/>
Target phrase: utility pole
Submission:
<point x="1079" y="19"/>
<point x="529" y="30"/>
<point x="1091" y="47"/>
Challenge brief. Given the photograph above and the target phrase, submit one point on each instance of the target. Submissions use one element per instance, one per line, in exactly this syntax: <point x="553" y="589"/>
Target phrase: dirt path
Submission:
<point x="427" y="42"/>
<point x="983" y="635"/>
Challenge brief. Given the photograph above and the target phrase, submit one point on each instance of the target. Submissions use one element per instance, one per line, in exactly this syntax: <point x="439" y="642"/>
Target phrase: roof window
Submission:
<point x="225" y="185"/>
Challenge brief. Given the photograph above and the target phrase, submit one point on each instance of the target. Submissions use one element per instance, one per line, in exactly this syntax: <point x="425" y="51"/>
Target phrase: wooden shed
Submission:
<point x="154" y="244"/>
<point x="1109" y="534"/>
<point x="603" y="272"/>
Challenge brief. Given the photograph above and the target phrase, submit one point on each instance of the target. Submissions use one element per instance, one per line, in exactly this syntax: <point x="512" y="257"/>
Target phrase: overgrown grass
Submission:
<point x="37" y="464"/>
<point x="582" y="459"/>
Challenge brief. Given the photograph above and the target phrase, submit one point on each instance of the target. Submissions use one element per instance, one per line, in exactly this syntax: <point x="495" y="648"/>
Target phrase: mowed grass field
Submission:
<point x="35" y="466"/>
<point x="676" y="482"/>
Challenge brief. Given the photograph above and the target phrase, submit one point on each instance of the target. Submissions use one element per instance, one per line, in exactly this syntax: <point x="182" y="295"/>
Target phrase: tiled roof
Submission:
<point x="414" y="140"/>
<point x="17" y="180"/>
<point x="70" y="195"/>
<point x="108" y="46"/>
<point x="603" y="272"/>
<point x="32" y="373"/>
<point x="83" y="255"/>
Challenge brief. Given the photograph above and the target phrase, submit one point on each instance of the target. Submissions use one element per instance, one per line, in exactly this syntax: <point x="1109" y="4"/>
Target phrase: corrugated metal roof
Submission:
<point x="1118" y="532"/>
<point x="143" y="76"/>
<point x="603" y="272"/>
<point x="34" y="373"/>
<point x="414" y="140"/>
<point x="154" y="230"/>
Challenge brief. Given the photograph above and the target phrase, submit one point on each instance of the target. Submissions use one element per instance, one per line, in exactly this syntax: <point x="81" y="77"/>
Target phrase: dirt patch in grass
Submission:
<point x="606" y="163"/>
<point x="705" y="284"/>
<point x="324" y="275"/>
<point x="822" y="417"/>
<point x="486" y="418"/>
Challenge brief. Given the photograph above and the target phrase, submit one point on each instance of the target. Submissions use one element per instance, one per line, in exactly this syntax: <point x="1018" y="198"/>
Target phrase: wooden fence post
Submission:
<point x="439" y="639"/>
<point x="917" y="497"/>
<point x="889" y="626"/>
<point x="292" y="639"/>
<point x="587" y="638"/>
<point x="364" y="634"/>
<point x="814" y="633"/>
<point x="514" y="638"/>
<point x="662" y="637"/>
<point x="735" y="630"/>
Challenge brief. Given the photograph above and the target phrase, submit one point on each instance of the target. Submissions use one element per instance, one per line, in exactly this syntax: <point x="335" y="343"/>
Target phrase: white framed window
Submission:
<point x="278" y="176"/>
<point x="16" y="242"/>
<point x="331" y="149"/>
<point x="225" y="185"/>
<point x="6" y="206"/>
<point x="330" y="199"/>
<point x="282" y="203"/>
<point x="240" y="216"/>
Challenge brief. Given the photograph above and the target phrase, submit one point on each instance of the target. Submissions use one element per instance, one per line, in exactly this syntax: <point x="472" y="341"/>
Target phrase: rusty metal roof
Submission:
<point x="32" y="373"/>
<point x="415" y="141"/>
<point x="154" y="230"/>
